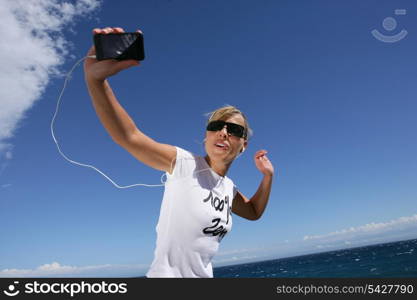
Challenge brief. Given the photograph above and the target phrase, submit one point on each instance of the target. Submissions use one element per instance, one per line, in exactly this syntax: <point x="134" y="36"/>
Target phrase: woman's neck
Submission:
<point x="220" y="168"/>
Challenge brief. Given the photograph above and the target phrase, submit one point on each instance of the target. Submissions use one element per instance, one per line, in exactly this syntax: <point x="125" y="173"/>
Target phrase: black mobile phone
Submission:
<point x="120" y="46"/>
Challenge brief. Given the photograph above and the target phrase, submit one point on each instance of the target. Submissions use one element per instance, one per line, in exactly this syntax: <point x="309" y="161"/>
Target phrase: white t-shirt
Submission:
<point x="195" y="215"/>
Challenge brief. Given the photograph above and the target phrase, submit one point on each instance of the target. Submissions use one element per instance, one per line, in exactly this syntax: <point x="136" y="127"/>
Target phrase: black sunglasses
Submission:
<point x="232" y="128"/>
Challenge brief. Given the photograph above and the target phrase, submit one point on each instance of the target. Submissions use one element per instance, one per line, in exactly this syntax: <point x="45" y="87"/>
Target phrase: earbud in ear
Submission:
<point x="243" y="149"/>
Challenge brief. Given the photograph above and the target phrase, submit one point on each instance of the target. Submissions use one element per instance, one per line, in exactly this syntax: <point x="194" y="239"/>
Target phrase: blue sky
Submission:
<point x="334" y="106"/>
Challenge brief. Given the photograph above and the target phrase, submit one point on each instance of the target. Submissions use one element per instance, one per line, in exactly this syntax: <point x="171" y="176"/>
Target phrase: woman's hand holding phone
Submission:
<point x="100" y="70"/>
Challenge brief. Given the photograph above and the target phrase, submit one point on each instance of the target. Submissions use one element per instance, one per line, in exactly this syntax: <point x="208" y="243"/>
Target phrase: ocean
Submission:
<point x="397" y="259"/>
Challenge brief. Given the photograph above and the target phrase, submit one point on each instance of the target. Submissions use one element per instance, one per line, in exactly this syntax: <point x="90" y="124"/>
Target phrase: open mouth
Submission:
<point x="221" y="146"/>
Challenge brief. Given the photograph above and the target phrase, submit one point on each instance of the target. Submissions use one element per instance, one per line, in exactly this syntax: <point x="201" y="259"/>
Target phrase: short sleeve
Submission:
<point x="185" y="164"/>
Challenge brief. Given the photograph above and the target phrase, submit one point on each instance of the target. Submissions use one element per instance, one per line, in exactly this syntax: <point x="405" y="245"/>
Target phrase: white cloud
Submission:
<point x="403" y="228"/>
<point x="32" y="48"/>
<point x="396" y="225"/>
<point x="235" y="260"/>
<point x="57" y="270"/>
<point x="236" y="251"/>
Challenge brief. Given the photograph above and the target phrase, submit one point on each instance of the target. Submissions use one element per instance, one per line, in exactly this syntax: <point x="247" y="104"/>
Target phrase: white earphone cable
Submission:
<point x="67" y="78"/>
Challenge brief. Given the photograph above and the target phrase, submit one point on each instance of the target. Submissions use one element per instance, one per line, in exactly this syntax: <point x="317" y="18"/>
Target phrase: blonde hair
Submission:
<point x="227" y="111"/>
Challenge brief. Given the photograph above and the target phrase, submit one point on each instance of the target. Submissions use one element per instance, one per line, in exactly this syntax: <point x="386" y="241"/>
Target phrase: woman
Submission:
<point x="199" y="197"/>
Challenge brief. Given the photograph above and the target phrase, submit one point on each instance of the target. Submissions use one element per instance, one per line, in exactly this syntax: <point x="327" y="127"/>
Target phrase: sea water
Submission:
<point x="397" y="259"/>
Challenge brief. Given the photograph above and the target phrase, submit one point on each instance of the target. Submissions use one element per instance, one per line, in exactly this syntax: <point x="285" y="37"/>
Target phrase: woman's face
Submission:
<point x="221" y="146"/>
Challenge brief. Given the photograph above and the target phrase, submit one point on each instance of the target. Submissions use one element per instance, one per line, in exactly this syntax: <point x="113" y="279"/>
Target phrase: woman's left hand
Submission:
<point x="263" y="164"/>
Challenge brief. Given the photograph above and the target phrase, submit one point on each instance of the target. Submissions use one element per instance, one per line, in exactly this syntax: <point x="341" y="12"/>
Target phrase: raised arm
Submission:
<point x="113" y="116"/>
<point x="253" y="208"/>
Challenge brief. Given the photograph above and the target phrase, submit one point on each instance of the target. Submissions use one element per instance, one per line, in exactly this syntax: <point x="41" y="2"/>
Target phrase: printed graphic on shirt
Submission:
<point x="218" y="205"/>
